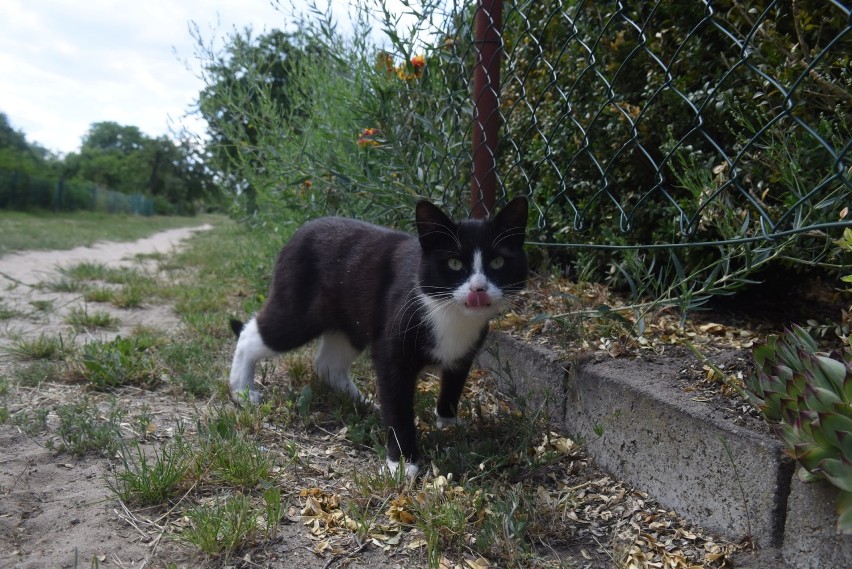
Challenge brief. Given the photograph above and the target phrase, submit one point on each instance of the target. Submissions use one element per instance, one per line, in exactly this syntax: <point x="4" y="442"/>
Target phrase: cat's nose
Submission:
<point x="478" y="283"/>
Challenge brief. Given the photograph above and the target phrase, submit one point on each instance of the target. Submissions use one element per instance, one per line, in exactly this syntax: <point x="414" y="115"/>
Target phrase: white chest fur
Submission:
<point x="454" y="329"/>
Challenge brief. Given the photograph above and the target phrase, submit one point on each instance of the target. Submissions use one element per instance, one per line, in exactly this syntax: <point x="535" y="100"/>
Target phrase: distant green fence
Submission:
<point x="20" y="191"/>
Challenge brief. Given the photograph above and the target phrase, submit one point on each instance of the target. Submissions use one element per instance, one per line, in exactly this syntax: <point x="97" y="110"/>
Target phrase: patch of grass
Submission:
<point x="130" y="296"/>
<point x="4" y="393"/>
<point x="85" y="271"/>
<point x="37" y="348"/>
<point x="48" y="230"/>
<point x="123" y="361"/>
<point x="84" y="429"/>
<point x="80" y="319"/>
<point x="42" y="305"/>
<point x="223" y="527"/>
<point x="155" y="256"/>
<point x="98" y="294"/>
<point x="147" y="337"/>
<point x="505" y="532"/>
<point x="7" y="313"/>
<point x="35" y="373"/>
<point x="232" y="457"/>
<point x="190" y="365"/>
<point x="63" y="285"/>
<point x="32" y="422"/>
<point x="126" y="275"/>
<point x="154" y="478"/>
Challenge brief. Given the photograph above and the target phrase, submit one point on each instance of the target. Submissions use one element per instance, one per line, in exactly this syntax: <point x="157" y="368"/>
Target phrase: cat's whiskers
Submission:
<point x="506" y="234"/>
<point x="442" y="229"/>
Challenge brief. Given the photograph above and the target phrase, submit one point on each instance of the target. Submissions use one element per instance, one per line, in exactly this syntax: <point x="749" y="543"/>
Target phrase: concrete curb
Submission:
<point x="723" y="477"/>
<point x="810" y="539"/>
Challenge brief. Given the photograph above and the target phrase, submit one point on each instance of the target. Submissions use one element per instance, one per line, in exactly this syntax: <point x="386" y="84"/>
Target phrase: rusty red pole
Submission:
<point x="486" y="117"/>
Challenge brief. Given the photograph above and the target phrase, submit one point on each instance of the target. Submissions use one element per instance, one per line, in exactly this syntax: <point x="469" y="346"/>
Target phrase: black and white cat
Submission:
<point x="415" y="300"/>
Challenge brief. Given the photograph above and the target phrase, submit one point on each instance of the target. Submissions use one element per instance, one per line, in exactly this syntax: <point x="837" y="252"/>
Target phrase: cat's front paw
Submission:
<point x="445" y="422"/>
<point x="245" y="397"/>
<point x="411" y="469"/>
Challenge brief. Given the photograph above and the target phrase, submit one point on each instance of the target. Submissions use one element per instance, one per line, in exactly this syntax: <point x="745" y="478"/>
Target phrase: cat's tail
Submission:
<point x="237" y="327"/>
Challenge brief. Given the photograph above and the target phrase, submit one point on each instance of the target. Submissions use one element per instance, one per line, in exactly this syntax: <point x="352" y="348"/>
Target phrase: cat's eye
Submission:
<point x="496" y="262"/>
<point x="455" y="264"/>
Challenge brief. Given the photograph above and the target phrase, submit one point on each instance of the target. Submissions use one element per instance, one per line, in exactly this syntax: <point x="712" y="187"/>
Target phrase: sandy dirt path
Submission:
<point x="38" y="310"/>
<point x="33" y="267"/>
<point x="56" y="510"/>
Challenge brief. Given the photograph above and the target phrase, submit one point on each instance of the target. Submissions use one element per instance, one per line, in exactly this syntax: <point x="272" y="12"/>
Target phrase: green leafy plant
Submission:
<point x="120" y="362"/>
<point x="845" y="244"/>
<point x="807" y="396"/>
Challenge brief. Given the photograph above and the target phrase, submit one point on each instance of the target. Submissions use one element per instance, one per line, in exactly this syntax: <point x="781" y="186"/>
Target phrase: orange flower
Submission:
<point x="366" y="137"/>
<point x="418" y="61"/>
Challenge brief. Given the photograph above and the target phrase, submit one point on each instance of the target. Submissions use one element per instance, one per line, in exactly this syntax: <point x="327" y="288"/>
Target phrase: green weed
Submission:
<point x="222" y="528"/>
<point x="130" y="296"/>
<point x="37" y="348"/>
<point x="80" y="319"/>
<point x="35" y="373"/>
<point x="85" y="271"/>
<point x="272" y="501"/>
<point x="32" y="422"/>
<point x="42" y="305"/>
<point x="232" y="457"/>
<point x="190" y="366"/>
<point x="98" y="294"/>
<point x="123" y="361"/>
<point x="63" y="285"/>
<point x="84" y="429"/>
<point x="144" y="480"/>
<point x="7" y="313"/>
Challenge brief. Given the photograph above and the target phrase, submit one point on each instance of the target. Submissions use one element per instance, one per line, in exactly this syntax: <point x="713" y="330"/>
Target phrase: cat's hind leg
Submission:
<point x="335" y="355"/>
<point x="250" y="350"/>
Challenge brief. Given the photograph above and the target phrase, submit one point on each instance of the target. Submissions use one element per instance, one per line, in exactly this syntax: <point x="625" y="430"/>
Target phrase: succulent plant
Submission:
<point x="807" y="396"/>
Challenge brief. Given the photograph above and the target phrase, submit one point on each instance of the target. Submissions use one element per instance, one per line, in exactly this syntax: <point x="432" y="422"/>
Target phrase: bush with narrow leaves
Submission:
<point x="807" y="396"/>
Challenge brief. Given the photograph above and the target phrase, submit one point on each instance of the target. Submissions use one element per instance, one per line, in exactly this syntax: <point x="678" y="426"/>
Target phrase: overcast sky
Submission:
<point x="65" y="64"/>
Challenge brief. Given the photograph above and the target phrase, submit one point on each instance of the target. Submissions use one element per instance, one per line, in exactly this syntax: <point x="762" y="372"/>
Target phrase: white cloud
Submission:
<point x="66" y="64"/>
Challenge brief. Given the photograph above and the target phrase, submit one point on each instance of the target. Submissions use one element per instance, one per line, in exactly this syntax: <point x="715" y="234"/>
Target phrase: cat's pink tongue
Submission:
<point x="475" y="299"/>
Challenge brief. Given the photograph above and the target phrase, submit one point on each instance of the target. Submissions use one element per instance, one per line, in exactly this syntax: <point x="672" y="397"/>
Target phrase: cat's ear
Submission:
<point x="511" y="221"/>
<point x="433" y="225"/>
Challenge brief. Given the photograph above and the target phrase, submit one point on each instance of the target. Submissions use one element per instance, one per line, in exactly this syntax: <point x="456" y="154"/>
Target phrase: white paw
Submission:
<point x="444" y="422"/>
<point x="411" y="470"/>
<point x="245" y="396"/>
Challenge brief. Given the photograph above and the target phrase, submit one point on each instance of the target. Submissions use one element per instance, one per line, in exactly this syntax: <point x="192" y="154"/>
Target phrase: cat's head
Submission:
<point x="474" y="264"/>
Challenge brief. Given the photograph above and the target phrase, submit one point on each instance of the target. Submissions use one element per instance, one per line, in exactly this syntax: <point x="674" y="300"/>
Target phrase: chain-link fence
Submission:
<point x="673" y="146"/>
<point x="676" y="123"/>
<point x="20" y="191"/>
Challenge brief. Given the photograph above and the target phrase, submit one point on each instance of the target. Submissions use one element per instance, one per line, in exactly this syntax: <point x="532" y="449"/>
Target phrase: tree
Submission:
<point x="123" y="159"/>
<point x="251" y="74"/>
